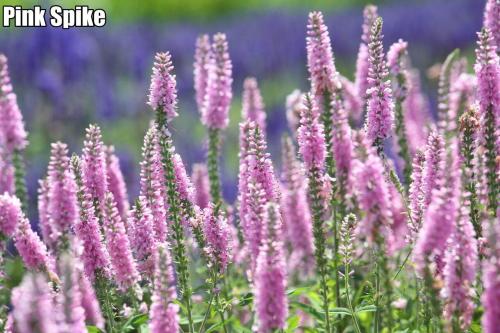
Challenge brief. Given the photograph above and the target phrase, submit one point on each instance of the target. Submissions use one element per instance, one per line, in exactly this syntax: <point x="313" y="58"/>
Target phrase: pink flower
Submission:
<point x="31" y="249"/>
<point x="353" y="104"/>
<point x="320" y="61"/>
<point x="218" y="237"/>
<point x="293" y="108"/>
<point x="218" y="96"/>
<point x="70" y="298"/>
<point x="164" y="316"/>
<point x="13" y="136"/>
<point x="202" y="58"/>
<point x="394" y="55"/>
<point x="43" y="212"/>
<point x="152" y="180"/>
<point x="163" y="89"/>
<point x="491" y="296"/>
<point x="142" y="237"/>
<point x="116" y="181"/>
<point x="124" y="267"/>
<point x="10" y="214"/>
<point x="7" y="175"/>
<point x="433" y="169"/>
<point x="89" y="302"/>
<point x="342" y="144"/>
<point x="380" y="113"/>
<point x="94" y="166"/>
<point x="95" y="257"/>
<point x="460" y="271"/>
<point x="310" y="136"/>
<point x="253" y="105"/>
<point x="492" y="21"/>
<point x="271" y="303"/>
<point x="199" y="176"/>
<point x="296" y="213"/>
<point x="33" y="307"/>
<point x="62" y="208"/>
<point x="362" y="65"/>
<point x="416" y="195"/>
<point x="184" y="186"/>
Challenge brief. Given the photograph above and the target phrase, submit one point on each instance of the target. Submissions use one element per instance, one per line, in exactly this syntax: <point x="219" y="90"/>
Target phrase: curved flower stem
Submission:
<point x="19" y="178"/>
<point x="348" y="298"/>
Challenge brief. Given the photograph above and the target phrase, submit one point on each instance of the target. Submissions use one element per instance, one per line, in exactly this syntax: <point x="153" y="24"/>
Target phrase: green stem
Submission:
<point x="404" y="151"/>
<point x="19" y="178"/>
<point x="104" y="296"/>
<point x="348" y="298"/>
<point x="213" y="167"/>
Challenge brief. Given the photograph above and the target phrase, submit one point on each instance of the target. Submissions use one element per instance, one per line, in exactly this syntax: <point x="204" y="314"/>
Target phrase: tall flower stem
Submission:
<point x="179" y="248"/>
<point x="213" y="167"/>
<point x="103" y="292"/>
<point x="319" y="240"/>
<point x="19" y="178"/>
<point x="400" y="129"/>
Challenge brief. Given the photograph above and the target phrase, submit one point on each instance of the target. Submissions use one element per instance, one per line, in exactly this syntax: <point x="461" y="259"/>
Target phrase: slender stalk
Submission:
<point x="104" y="297"/>
<point x="213" y="167"/>
<point x="348" y="298"/>
<point x="19" y="179"/>
<point x="404" y="151"/>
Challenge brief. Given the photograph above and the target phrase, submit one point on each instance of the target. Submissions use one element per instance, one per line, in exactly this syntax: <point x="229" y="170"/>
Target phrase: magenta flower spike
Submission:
<point x="43" y="212"/>
<point x="62" y="208"/>
<point x="10" y="214"/>
<point x="362" y="63"/>
<point x="142" y="237"/>
<point x="94" y="166"/>
<point x="201" y="185"/>
<point x="69" y="300"/>
<point x="296" y="213"/>
<point x="163" y="89"/>
<point x="13" y="136"/>
<point x="218" y="238"/>
<point x="202" y="59"/>
<point x="373" y="195"/>
<point x="122" y="262"/>
<point x="252" y="222"/>
<point x="94" y="256"/>
<point x="215" y="111"/>
<point x="164" y="317"/>
<point x="253" y="105"/>
<point x="271" y="303"/>
<point x="320" y="61"/>
<point x="433" y="170"/>
<point x="116" y="181"/>
<point x="343" y="148"/>
<point x="293" y="108"/>
<point x="440" y="216"/>
<point x="353" y="104"/>
<point x="30" y="247"/>
<point x="33" y="306"/>
<point x="491" y="295"/>
<point x="460" y="271"/>
<point x="487" y="70"/>
<point x="152" y="180"/>
<point x="492" y="21"/>
<point x="380" y="107"/>
<point x="416" y="196"/>
<point x="7" y="175"/>
<point x="310" y="136"/>
<point x="89" y="302"/>
<point x="183" y="183"/>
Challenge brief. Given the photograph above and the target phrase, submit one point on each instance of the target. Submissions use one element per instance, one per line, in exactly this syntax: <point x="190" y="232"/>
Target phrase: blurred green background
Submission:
<point x="66" y="79"/>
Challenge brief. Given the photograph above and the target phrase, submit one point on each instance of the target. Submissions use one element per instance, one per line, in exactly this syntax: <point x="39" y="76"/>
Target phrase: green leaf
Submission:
<point x="342" y="311"/>
<point x="196" y="320"/>
<point x="93" y="329"/>
<point x="292" y="324"/>
<point x="133" y="323"/>
<point x="247" y="299"/>
<point x="366" y="308"/>
<point x="309" y="309"/>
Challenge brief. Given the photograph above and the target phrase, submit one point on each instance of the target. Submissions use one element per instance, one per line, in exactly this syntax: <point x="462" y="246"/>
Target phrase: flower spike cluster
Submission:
<point x="142" y="237"/>
<point x="362" y="63"/>
<point x="163" y="89"/>
<point x="94" y="166"/>
<point x="202" y="58"/>
<point x="201" y="184"/>
<point x="215" y="111"/>
<point x="10" y="214"/>
<point x="310" y="136"/>
<point x="116" y="181"/>
<point x="492" y="21"/>
<point x="253" y="105"/>
<point x="218" y="237"/>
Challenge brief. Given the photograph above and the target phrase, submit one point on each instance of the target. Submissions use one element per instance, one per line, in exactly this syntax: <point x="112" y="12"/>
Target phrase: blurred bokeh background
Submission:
<point x="66" y="79"/>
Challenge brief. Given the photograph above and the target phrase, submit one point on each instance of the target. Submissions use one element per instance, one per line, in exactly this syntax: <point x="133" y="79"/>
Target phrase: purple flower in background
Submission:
<point x="380" y="113"/>
<point x="116" y="182"/>
<point x="320" y="61"/>
<point x="62" y="209"/>
<point x="163" y="315"/>
<point x="201" y="184"/>
<point x="492" y="21"/>
<point x="218" y="96"/>
<point x="353" y="104"/>
<point x="202" y="58"/>
<point x="310" y="136"/>
<point x="10" y="214"/>
<point x="33" y="306"/>
<point x="218" y="238"/>
<point x="271" y="303"/>
<point x="163" y="89"/>
<point x="416" y="112"/>
<point x="124" y="266"/>
<point x="13" y="136"/>
<point x="253" y="105"/>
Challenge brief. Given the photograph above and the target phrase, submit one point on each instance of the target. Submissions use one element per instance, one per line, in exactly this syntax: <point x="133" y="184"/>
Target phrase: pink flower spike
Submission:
<point x="310" y="136"/>
<point x="492" y="21"/>
<point x="184" y="185"/>
<point x="433" y="169"/>
<point x="13" y="136"/>
<point x="215" y="112"/>
<point x="218" y="237"/>
<point x="163" y="89"/>
<point x="293" y="108"/>
<point x="116" y="181"/>
<point x="142" y="237"/>
<point x="380" y="107"/>
<point x="202" y="58"/>
<point x="94" y="165"/>
<point x="271" y="303"/>
<point x="10" y="214"/>
<point x="320" y="61"/>
<point x="124" y="267"/>
<point x="253" y="105"/>
<point x="362" y="64"/>
<point x="164" y="317"/>
<point x="30" y="247"/>
<point x="70" y="297"/>
<point x="7" y="174"/>
<point x="201" y="184"/>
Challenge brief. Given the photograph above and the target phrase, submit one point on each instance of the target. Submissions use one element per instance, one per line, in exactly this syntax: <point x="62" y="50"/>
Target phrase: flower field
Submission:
<point x="380" y="218"/>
